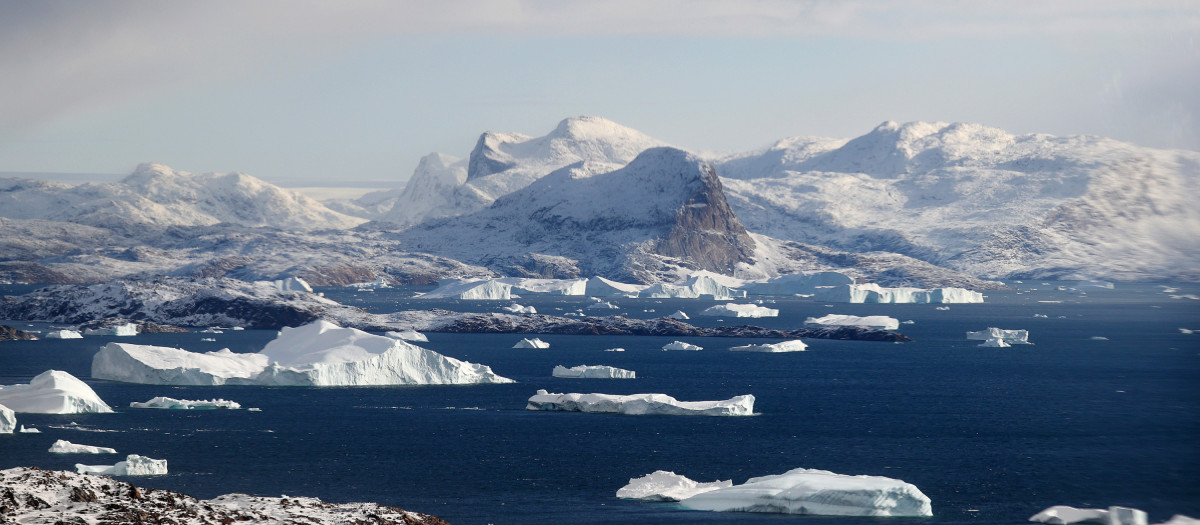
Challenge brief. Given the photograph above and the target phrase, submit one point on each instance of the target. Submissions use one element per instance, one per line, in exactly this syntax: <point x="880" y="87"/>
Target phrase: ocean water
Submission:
<point x="991" y="435"/>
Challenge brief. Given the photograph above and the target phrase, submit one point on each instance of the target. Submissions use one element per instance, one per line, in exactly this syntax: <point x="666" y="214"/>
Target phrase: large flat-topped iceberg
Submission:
<point x="170" y="403"/>
<point x="695" y="287"/>
<point x="134" y="465"/>
<point x="881" y="322"/>
<point x="63" y="446"/>
<point x="793" y="345"/>
<point x="873" y="293"/>
<point x="640" y="404"/>
<point x="593" y="372"/>
<point x="317" y="354"/>
<point x="1066" y="515"/>
<point x="526" y="286"/>
<point x="797" y="283"/>
<point x="53" y="392"/>
<point x="810" y="491"/>
<point x="487" y="289"/>
<point x="63" y="334"/>
<point x="739" y="310"/>
<point x="1008" y="337"/>
<point x="662" y="485"/>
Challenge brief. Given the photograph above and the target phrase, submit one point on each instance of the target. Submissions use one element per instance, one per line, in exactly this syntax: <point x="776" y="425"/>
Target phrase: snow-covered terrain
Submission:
<point x="820" y="492"/>
<point x="640" y="404"/>
<point x="662" y="485"/>
<point x="53" y="392"/>
<point x="593" y="372"/>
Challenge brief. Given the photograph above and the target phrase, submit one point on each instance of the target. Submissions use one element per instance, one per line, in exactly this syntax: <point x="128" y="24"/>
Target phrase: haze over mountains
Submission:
<point x="926" y="204"/>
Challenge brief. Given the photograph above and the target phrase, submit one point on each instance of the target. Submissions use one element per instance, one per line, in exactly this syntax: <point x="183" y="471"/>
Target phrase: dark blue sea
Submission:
<point x="991" y="435"/>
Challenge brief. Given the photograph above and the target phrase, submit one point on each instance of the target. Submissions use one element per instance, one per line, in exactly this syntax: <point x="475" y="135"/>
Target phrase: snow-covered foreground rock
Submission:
<point x="739" y="310"/>
<point x="662" y="485"/>
<point x="873" y="293"/>
<point x="593" y="372"/>
<point x="316" y="354"/>
<point x="8" y="420"/>
<point x="1008" y="337"/>
<point x="881" y="322"/>
<point x="63" y="446"/>
<point x="640" y="404"/>
<point x="53" y="392"/>
<point x="794" y="345"/>
<point x="820" y="492"/>
<point x="170" y="403"/>
<point x="45" y="496"/>
<point x="134" y="465"/>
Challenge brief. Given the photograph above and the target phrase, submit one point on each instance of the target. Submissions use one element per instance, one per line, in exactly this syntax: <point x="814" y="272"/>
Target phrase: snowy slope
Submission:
<point x="156" y="195"/>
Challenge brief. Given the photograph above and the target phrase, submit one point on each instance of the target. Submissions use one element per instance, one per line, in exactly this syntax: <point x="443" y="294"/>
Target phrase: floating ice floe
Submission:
<point x="53" y="392"/>
<point x="680" y="345"/>
<point x="820" y="492"/>
<point x="881" y="322"/>
<point x="640" y="404"/>
<point x="793" y="345"/>
<point x="873" y="293"/>
<point x="487" y="289"/>
<point x="120" y="330"/>
<point x="593" y="372"/>
<point x="409" y="335"/>
<point x="8" y="420"/>
<point x="1011" y="337"/>
<point x="317" y="354"/>
<point x="678" y="315"/>
<point x="63" y="334"/>
<point x="63" y="446"/>
<point x="1066" y="515"/>
<point x="531" y="343"/>
<point x="134" y="465"/>
<point x="518" y="309"/>
<point x="169" y="403"/>
<point x="662" y="485"/>
<point x="739" y="310"/>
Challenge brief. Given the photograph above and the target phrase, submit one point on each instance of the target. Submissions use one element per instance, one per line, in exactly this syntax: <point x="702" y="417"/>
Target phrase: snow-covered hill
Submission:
<point x="157" y="196"/>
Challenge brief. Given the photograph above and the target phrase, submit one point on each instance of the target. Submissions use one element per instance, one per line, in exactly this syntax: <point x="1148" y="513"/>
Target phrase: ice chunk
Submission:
<point x="63" y="446"/>
<point x="593" y="372"/>
<point x="680" y="345"/>
<point x="185" y="404"/>
<point x="487" y="289"/>
<point x="409" y="335"/>
<point x="1012" y="337"/>
<point x="871" y="321"/>
<point x="810" y="491"/>
<point x="53" y="392"/>
<point x="158" y="365"/>
<point x="8" y="420"/>
<point x="873" y="293"/>
<point x="678" y="315"/>
<point x="662" y="485"/>
<point x="793" y="345"/>
<point x="1065" y="515"/>
<point x="134" y="465"/>
<point x="601" y="287"/>
<point x="1180" y="519"/>
<point x="63" y="334"/>
<point x="29" y="430"/>
<point x="603" y="305"/>
<point x="526" y="286"/>
<point x="797" y="283"/>
<point x="739" y="310"/>
<point x="640" y="404"/>
<point x="531" y="343"/>
<point x="120" y="330"/>
<point x="614" y="349"/>
<point x="518" y="309"/>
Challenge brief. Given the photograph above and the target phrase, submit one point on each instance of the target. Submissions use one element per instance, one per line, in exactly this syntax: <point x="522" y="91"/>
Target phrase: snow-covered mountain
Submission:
<point x="157" y="196"/>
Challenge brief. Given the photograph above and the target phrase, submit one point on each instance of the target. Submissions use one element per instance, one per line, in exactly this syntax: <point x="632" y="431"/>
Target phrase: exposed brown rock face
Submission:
<point x="8" y="333"/>
<point x="706" y="231"/>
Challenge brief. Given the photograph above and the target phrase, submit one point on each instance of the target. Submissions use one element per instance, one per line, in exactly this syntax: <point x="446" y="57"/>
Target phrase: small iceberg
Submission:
<point x="119" y="330"/>
<point x="739" y="310"/>
<point x="518" y="309"/>
<point x="880" y="322"/>
<point x="134" y="465"/>
<point x="602" y="305"/>
<point x="662" y="485"/>
<point x="63" y="334"/>
<point x="28" y="430"/>
<point x="680" y="345"/>
<point x="1066" y="515"/>
<point x="531" y="343"/>
<point x="820" y="492"/>
<point x="640" y="404"/>
<point x="63" y="446"/>
<point x="168" y="403"/>
<point x="1011" y="337"/>
<point x="793" y="345"/>
<point x="593" y="372"/>
<point x="678" y="315"/>
<point x="53" y="392"/>
<point x="614" y="349"/>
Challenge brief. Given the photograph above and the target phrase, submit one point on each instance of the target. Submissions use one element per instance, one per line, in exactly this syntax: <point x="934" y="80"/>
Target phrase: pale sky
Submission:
<point x="304" y="93"/>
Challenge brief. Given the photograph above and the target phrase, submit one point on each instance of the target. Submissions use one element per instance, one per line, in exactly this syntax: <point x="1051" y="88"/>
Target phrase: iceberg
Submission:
<point x="8" y="420"/>
<point x="593" y="372"/>
<point x="531" y="343"/>
<point x="487" y="289"/>
<point x="63" y="446"/>
<point x="793" y="345"/>
<point x="119" y="330"/>
<point x="640" y="404"/>
<point x="518" y="309"/>
<point x="680" y="345"/>
<point x="873" y="293"/>
<point x="523" y="286"/>
<point x="63" y="334"/>
<point x="695" y="287"/>
<point x="820" y="492"/>
<point x="317" y="354"/>
<point x="134" y="465"/>
<point x="185" y="404"/>
<point x="871" y="321"/>
<point x="662" y="485"/>
<point x="1011" y="337"/>
<point x="409" y="335"/>
<point x="797" y="283"/>
<point x="739" y="310"/>
<point x="601" y="287"/>
<point x="678" y="315"/>
<point x="53" y="392"/>
<point x="28" y="430"/>
<point x="995" y="342"/>
<point x="1065" y="515"/>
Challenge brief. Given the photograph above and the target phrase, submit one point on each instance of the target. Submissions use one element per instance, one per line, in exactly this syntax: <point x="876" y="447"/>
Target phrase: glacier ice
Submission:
<point x="317" y="354"/>
<point x="53" y="392"/>
<point x="1066" y="515"/>
<point x="797" y="283"/>
<point x="63" y="446"/>
<point x="409" y="335"/>
<point x="120" y="330"/>
<point x="739" y="310"/>
<point x="881" y="322"/>
<point x="640" y="404"/>
<point x="873" y="293"/>
<point x="171" y="403"/>
<point x="485" y="289"/>
<point x="820" y="492"/>
<point x="695" y="287"/>
<point x="662" y="485"/>
<point x="63" y="334"/>
<point x="680" y="345"/>
<point x="793" y="345"/>
<point x="527" y="286"/>
<point x="134" y="465"/>
<point x="518" y="309"/>
<point x="531" y="343"/>
<point x="8" y="420"/>
<point x="678" y="315"/>
<point x="1011" y="337"/>
<point x="593" y="372"/>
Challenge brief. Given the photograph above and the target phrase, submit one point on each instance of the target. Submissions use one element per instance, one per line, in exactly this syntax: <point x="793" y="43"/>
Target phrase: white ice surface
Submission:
<point x="170" y="403"/>
<point x="873" y="293"/>
<point x="680" y="345"/>
<point x="485" y="289"/>
<point x="871" y="321"/>
<point x="531" y="343"/>
<point x="120" y="330"/>
<point x="640" y="404"/>
<point x="63" y="446"/>
<point x="159" y="365"/>
<point x="1066" y="515"/>
<point x="63" y="334"/>
<point x="662" y="485"/>
<point x="8" y="420"/>
<point x="53" y="392"/>
<point x="1012" y="337"/>
<point x="739" y="310"/>
<point x="134" y="465"/>
<point x="409" y="335"/>
<point x="793" y="345"/>
<point x="810" y="491"/>
<point x="593" y="372"/>
<point x="526" y="286"/>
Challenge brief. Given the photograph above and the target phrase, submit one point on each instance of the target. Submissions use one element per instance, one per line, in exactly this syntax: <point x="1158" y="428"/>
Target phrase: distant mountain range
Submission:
<point x="926" y="204"/>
